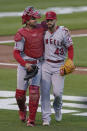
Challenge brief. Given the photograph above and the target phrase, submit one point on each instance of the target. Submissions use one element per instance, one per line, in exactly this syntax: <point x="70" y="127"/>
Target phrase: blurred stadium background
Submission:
<point x="75" y="84"/>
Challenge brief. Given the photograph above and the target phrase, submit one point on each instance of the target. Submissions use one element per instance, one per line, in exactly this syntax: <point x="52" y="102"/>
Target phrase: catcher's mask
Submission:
<point x="30" y="12"/>
<point x="50" y="15"/>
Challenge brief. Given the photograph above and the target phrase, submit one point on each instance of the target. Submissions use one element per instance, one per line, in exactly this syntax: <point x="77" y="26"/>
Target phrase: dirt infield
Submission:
<point x="6" y="52"/>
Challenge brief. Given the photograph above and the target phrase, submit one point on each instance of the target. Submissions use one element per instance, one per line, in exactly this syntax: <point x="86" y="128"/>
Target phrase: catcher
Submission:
<point x="28" y="52"/>
<point x="58" y="43"/>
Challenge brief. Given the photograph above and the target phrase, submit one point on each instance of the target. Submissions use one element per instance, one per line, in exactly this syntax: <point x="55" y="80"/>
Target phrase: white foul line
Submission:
<point x="79" y="35"/>
<point x="10" y="41"/>
<point x="10" y="64"/>
<point x="58" y="10"/>
<point x="79" y="69"/>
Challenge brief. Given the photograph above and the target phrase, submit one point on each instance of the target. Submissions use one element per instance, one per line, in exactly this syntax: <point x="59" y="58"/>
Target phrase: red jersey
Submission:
<point x="33" y="45"/>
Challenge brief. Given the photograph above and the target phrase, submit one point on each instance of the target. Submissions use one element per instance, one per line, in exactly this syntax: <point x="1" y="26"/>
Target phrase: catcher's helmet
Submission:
<point x="30" y="12"/>
<point x="50" y="15"/>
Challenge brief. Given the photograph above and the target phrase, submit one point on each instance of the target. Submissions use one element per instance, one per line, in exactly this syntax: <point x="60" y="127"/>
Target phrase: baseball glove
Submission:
<point x="32" y="72"/>
<point x="67" y="68"/>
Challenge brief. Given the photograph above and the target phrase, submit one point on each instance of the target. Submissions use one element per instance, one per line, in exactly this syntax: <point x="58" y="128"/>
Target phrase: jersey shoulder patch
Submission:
<point x="66" y="30"/>
<point x="18" y="37"/>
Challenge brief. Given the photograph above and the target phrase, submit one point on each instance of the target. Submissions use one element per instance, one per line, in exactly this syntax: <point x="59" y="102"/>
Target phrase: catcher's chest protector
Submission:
<point x="33" y="41"/>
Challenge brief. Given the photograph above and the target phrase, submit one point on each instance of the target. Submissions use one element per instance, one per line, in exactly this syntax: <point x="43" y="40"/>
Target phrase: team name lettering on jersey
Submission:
<point x="56" y="44"/>
<point x="53" y="41"/>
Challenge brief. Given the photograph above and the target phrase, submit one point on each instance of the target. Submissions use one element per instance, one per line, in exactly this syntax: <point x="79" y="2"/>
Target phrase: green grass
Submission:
<point x="69" y="123"/>
<point x="74" y="85"/>
<point x="73" y="21"/>
<point x="73" y="82"/>
<point x="80" y="49"/>
<point x="8" y="44"/>
<point x="8" y="79"/>
<point x="19" y="5"/>
<point x="10" y="25"/>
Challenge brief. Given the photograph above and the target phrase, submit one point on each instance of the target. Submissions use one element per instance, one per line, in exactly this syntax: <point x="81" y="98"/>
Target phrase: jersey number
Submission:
<point x="59" y="51"/>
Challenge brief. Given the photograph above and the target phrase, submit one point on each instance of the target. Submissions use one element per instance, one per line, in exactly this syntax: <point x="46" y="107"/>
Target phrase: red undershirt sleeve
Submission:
<point x="19" y="59"/>
<point x="70" y="52"/>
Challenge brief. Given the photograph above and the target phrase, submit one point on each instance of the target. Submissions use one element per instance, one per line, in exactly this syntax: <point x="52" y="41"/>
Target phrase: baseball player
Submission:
<point x="58" y="42"/>
<point x="28" y="50"/>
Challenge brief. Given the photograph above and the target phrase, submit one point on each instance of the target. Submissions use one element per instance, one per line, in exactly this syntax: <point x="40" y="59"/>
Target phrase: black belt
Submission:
<point x="52" y="61"/>
<point x="32" y="62"/>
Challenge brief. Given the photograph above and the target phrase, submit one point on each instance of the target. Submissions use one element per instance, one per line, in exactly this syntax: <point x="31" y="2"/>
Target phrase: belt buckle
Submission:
<point x="38" y="61"/>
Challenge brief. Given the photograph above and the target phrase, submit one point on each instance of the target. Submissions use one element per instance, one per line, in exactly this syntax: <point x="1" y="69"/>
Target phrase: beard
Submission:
<point x="51" y="26"/>
<point x="32" y="25"/>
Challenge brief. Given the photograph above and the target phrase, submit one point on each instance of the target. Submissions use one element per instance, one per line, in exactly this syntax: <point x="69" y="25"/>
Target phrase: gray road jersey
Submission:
<point x="57" y="43"/>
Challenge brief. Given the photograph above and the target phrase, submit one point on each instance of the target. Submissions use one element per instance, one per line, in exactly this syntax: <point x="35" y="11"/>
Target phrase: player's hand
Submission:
<point x="67" y="68"/>
<point x="28" y="66"/>
<point x="62" y="71"/>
